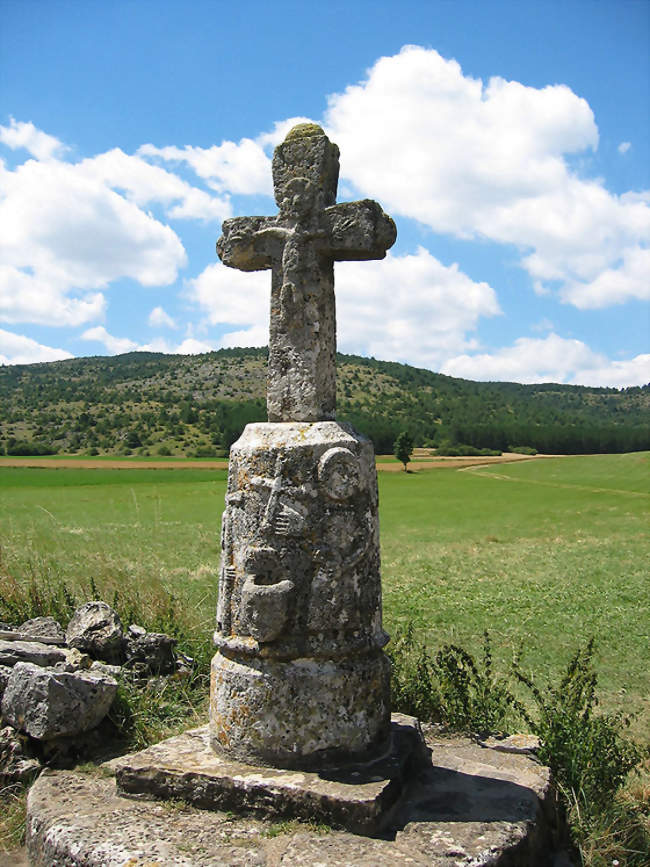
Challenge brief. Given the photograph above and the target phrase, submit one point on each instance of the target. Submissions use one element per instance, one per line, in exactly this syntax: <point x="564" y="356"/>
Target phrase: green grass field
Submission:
<point x="541" y="553"/>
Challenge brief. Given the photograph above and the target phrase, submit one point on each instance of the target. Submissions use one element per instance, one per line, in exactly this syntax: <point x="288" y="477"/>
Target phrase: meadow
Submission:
<point x="543" y="554"/>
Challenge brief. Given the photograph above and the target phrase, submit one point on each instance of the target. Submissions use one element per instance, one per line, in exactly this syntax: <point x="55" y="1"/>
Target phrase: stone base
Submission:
<point x="473" y="806"/>
<point x="301" y="714"/>
<point x="358" y="797"/>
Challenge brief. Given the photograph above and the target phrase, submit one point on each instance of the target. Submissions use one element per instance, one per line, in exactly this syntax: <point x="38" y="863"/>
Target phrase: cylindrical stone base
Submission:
<point x="304" y="713"/>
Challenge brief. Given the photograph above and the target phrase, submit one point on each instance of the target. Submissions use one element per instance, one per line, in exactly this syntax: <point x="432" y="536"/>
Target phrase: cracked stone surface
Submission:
<point x="469" y="806"/>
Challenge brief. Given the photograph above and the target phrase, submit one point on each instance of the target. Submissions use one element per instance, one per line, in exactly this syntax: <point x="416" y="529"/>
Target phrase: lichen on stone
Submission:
<point x="304" y="130"/>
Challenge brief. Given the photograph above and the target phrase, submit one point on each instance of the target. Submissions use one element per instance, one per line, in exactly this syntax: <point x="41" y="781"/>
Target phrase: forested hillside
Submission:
<point x="198" y="404"/>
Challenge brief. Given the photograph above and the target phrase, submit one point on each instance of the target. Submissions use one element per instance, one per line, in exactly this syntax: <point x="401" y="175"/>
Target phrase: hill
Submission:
<point x="198" y="404"/>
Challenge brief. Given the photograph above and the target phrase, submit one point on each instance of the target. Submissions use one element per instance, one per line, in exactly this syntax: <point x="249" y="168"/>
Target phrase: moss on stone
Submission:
<point x="304" y="130"/>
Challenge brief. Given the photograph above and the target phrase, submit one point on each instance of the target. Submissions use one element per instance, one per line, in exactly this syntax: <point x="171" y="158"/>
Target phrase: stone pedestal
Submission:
<point x="472" y="806"/>
<point x="299" y="679"/>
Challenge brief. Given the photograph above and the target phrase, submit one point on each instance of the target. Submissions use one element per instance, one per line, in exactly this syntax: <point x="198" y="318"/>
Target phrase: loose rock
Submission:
<point x="13" y="652"/>
<point x="149" y="652"/>
<point x="46" y="703"/>
<point x="15" y="765"/>
<point x="5" y="671"/>
<point x="43" y="628"/>
<point x="97" y="629"/>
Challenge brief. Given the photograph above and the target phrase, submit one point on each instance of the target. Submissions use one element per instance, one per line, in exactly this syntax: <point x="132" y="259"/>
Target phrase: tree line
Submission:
<point x="149" y="402"/>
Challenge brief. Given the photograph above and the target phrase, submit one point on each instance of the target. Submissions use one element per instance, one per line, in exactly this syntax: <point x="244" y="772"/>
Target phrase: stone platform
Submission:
<point x="470" y="805"/>
<point x="360" y="798"/>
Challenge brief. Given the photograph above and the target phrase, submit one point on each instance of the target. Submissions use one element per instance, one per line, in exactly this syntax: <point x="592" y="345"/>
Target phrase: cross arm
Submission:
<point x="243" y="245"/>
<point x="359" y="230"/>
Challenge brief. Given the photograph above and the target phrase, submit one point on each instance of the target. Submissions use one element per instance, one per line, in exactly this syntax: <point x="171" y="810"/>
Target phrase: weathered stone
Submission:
<point x="526" y="744"/>
<point x="149" y="652"/>
<point x="357" y="797"/>
<point x="300" y="247"/>
<point x="97" y="629"/>
<point x="472" y="807"/>
<point x="74" y="661"/>
<point x="46" y="703"/>
<point x="42" y="628"/>
<point x="16" y="765"/>
<point x="5" y="671"/>
<point x="13" y="652"/>
<point x="105" y="668"/>
<point x="300" y="679"/>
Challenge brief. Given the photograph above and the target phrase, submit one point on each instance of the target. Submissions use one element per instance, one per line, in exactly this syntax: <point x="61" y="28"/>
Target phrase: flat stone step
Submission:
<point x="360" y="798"/>
<point x="469" y="805"/>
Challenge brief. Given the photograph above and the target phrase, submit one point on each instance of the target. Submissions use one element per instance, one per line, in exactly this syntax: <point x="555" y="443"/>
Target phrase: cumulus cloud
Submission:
<point x="550" y="359"/>
<point x="487" y="160"/>
<point x="18" y="349"/>
<point x="234" y="167"/>
<point x="231" y="297"/>
<point x="624" y="147"/>
<point x="159" y="318"/>
<point x="65" y="233"/>
<point x="144" y="183"/>
<point x="25" y="135"/>
<point x="68" y="230"/>
<point x="406" y="307"/>
<point x="113" y="345"/>
<point x="116" y="345"/>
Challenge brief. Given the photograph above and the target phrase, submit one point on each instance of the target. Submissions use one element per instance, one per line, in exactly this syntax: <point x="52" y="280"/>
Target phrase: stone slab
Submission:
<point x="13" y="652"/>
<point x="472" y="806"/>
<point x="358" y="797"/>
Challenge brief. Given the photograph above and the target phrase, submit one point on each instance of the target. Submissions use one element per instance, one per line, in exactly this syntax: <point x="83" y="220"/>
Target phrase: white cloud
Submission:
<point x="33" y="296"/>
<point x="550" y="359"/>
<point x="159" y="318"/>
<point x="236" y="168"/>
<point x="189" y="346"/>
<point x="64" y="233"/>
<point x="232" y="297"/>
<point x="144" y="183"/>
<point x="405" y="307"/>
<point x="114" y="345"/>
<point x="192" y="346"/>
<point x="25" y="135"/>
<point x="630" y="279"/>
<point x="624" y="147"/>
<point x="409" y="308"/>
<point x="17" y="349"/>
<point x="479" y="160"/>
<point x="256" y="335"/>
<point x="618" y="374"/>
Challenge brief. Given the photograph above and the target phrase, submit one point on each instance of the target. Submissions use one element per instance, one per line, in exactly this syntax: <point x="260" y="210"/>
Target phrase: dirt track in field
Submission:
<point x="416" y="465"/>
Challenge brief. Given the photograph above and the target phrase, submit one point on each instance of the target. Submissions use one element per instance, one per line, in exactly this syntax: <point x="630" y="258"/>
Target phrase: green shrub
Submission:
<point x="459" y="450"/>
<point x="29" y="447"/>
<point x="589" y="754"/>
<point x="590" y="758"/>
<point x="451" y="687"/>
<point x="414" y="688"/>
<point x="474" y="697"/>
<point x="522" y="450"/>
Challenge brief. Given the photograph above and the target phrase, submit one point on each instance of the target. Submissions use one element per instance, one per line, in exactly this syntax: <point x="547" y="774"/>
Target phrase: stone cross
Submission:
<point x="300" y="246"/>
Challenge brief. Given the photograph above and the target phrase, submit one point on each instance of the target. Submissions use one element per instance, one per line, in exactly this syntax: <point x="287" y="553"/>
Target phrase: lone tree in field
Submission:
<point x="403" y="448"/>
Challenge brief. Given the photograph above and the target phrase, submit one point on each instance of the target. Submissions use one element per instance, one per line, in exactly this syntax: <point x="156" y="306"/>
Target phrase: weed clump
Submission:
<point x="451" y="687"/>
<point x="589" y="754"/>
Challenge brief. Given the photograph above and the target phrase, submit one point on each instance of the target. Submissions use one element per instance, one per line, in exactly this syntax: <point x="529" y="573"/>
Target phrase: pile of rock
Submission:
<point x="56" y="686"/>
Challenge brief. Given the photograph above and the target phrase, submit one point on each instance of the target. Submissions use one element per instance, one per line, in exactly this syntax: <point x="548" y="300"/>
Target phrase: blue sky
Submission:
<point x="508" y="140"/>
